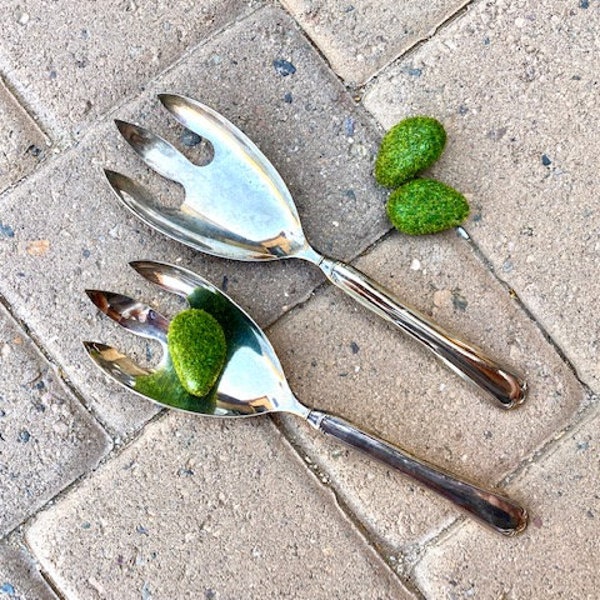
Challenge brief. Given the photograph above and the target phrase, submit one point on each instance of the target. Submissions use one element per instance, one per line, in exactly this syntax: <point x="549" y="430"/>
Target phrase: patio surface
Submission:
<point x="106" y="496"/>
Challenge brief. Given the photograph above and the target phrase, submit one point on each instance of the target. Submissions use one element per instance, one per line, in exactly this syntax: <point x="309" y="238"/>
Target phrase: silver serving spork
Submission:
<point x="239" y="207"/>
<point x="253" y="383"/>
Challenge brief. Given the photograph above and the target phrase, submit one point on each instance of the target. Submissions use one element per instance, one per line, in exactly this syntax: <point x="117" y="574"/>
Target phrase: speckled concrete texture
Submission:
<point x="517" y="89"/>
<point x="73" y="62"/>
<point x="104" y="495"/>
<point x="23" y="143"/>
<point x="556" y="558"/>
<point x="243" y="518"/>
<point x="47" y="439"/>
<point x="19" y="576"/>
<point x="361" y="37"/>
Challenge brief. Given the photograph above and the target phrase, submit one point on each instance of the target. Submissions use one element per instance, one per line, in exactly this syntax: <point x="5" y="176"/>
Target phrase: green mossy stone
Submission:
<point x="198" y="348"/>
<point x="424" y="206"/>
<point x="408" y="148"/>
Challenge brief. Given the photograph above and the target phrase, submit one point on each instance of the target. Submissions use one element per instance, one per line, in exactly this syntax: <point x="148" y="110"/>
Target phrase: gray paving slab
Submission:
<point x="556" y="558"/>
<point x="23" y="144"/>
<point x="84" y="239"/>
<point x="341" y="358"/>
<point x="516" y="87"/>
<point x="20" y="578"/>
<point x="72" y="62"/>
<point x="47" y="439"/>
<point x="201" y="508"/>
<point x="360" y="38"/>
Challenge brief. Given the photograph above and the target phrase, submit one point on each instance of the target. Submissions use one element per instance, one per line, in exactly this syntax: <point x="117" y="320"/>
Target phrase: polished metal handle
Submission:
<point x="494" y="510"/>
<point x="467" y="361"/>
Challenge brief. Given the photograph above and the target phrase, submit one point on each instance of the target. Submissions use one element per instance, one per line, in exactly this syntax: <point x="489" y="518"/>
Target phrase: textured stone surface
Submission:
<point x="201" y="508"/>
<point x="22" y="143"/>
<point x="46" y="437"/>
<point x="73" y="62"/>
<point x="19" y="577"/>
<point x="84" y="239"/>
<point x="361" y="37"/>
<point x="341" y="358"/>
<point x="516" y="87"/>
<point x="558" y="555"/>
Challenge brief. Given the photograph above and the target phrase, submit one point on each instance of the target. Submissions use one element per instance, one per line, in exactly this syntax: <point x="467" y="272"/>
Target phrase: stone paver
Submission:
<point x="20" y="578"/>
<point x="361" y="37"/>
<point x="341" y="358"/>
<point x="22" y="144"/>
<point x="558" y="555"/>
<point x="72" y="62"/>
<point x="516" y="86"/>
<point x="47" y="439"/>
<point x="201" y="508"/>
<point x="84" y="239"/>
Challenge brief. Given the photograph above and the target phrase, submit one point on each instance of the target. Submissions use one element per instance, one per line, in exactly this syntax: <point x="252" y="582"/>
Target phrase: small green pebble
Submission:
<point x="426" y="206"/>
<point x="408" y="148"/>
<point x="198" y="348"/>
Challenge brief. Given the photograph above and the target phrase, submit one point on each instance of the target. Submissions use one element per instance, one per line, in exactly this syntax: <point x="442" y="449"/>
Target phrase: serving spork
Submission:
<point x="238" y="207"/>
<point x="253" y="383"/>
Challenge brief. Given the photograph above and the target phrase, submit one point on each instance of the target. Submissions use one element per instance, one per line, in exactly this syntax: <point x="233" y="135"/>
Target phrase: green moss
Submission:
<point x="198" y="348"/>
<point x="164" y="386"/>
<point x="407" y="149"/>
<point x="426" y="206"/>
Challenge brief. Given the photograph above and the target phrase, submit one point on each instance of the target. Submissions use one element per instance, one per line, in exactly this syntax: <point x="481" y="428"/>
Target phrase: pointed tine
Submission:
<point x="115" y="364"/>
<point x="199" y="118"/>
<point x="156" y="152"/>
<point x="172" y="279"/>
<point x="132" y="315"/>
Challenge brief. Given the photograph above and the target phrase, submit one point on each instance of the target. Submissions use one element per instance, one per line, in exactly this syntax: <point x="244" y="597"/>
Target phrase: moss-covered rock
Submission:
<point x="198" y="348"/>
<point x="426" y="206"/>
<point x="407" y="149"/>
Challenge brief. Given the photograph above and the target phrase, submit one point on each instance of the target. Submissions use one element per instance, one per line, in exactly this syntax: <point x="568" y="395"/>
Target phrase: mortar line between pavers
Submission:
<point x="384" y="550"/>
<point x="58" y="369"/>
<point x="543" y="452"/>
<point x="364" y="88"/>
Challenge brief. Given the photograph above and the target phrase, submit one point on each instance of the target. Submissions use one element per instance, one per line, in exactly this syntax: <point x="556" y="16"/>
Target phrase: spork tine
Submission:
<point x="253" y="383"/>
<point x="239" y="207"/>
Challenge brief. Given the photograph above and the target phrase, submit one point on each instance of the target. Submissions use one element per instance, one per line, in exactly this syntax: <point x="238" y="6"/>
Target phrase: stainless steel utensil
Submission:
<point x="253" y="383"/>
<point x="239" y="207"/>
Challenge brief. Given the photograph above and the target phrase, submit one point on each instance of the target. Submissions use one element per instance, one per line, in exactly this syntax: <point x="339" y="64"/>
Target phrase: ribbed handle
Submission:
<point x="497" y="511"/>
<point x="469" y="362"/>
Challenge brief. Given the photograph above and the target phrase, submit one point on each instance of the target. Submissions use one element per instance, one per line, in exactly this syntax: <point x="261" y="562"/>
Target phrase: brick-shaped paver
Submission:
<point x="73" y="62"/>
<point x="22" y="143"/>
<point x="202" y="508"/>
<point x="558" y="555"/>
<point x="359" y="38"/>
<point x="47" y="439"/>
<point x="304" y="121"/>
<point x="340" y="357"/>
<point x="20" y="578"/>
<point x="516" y="86"/>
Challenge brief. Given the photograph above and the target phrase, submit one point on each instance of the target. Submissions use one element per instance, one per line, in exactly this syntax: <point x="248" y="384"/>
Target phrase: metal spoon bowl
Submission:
<point x="253" y="383"/>
<point x="238" y="207"/>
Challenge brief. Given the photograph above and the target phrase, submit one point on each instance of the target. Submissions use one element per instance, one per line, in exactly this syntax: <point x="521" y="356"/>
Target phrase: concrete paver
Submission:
<point x="19" y="576"/>
<point x="72" y="62"/>
<point x="47" y="439"/>
<point x="341" y="358"/>
<point x="558" y="555"/>
<point x="84" y="239"/>
<point x="22" y="144"/>
<point x="516" y="87"/>
<point x="201" y="508"/>
<point x="361" y="37"/>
